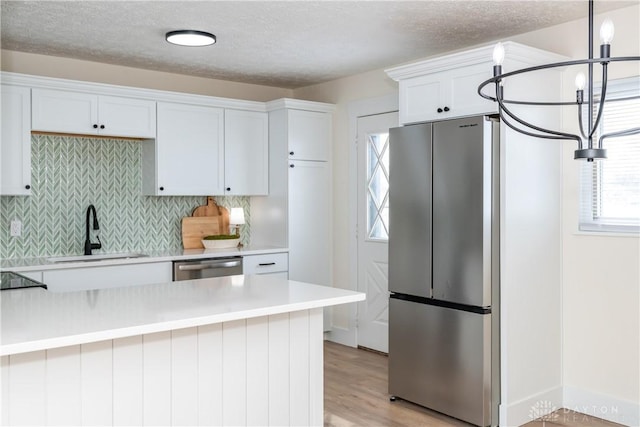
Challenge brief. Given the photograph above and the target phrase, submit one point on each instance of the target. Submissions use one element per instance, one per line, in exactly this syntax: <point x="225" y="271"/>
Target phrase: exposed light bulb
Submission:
<point x="580" y="81"/>
<point x="498" y="54"/>
<point x="606" y="31"/>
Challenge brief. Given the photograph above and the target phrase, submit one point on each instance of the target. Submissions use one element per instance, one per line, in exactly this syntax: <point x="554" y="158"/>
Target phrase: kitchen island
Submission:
<point x="238" y="350"/>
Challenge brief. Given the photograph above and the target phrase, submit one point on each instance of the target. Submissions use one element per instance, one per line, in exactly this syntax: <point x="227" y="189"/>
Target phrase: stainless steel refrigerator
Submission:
<point x="444" y="267"/>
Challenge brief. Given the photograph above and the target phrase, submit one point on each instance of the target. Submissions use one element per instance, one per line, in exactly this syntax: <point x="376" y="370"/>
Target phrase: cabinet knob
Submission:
<point x="439" y="110"/>
<point x="291" y="153"/>
<point x="228" y="188"/>
<point x="161" y="188"/>
<point x="95" y="126"/>
<point x="101" y="126"/>
<point x="446" y="108"/>
<point x="292" y="166"/>
<point x="28" y="187"/>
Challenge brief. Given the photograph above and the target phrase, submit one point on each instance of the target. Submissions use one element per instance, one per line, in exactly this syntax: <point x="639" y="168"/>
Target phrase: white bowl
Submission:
<point x="216" y="244"/>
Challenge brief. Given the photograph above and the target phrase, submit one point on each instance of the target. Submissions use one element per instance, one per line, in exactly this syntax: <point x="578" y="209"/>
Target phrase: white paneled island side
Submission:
<point x="239" y="350"/>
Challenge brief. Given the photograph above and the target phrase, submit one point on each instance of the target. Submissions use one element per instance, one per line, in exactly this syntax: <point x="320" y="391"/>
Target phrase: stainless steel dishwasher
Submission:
<point x="206" y="267"/>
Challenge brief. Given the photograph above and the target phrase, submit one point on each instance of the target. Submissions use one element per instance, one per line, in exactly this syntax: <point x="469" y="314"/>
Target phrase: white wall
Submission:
<point x="74" y="69"/>
<point x="601" y="274"/>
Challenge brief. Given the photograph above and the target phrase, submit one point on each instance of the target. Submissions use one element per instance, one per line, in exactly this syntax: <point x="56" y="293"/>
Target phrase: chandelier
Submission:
<point x="587" y="149"/>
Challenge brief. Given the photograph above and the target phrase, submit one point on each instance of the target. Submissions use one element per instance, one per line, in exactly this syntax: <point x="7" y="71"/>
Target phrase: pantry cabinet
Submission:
<point x="187" y="156"/>
<point x="16" y="141"/>
<point x="89" y="114"/>
<point x="297" y="212"/>
<point x="246" y="153"/>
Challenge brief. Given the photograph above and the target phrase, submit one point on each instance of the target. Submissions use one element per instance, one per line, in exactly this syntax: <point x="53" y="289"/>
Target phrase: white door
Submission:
<point x="373" y="229"/>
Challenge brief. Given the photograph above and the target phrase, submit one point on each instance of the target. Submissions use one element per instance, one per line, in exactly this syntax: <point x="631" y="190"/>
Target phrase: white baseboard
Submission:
<point x="342" y="336"/>
<point x="536" y="406"/>
<point x="602" y="406"/>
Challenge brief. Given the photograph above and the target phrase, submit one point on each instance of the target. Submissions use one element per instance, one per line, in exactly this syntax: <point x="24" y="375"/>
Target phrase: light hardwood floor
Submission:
<point x="355" y="394"/>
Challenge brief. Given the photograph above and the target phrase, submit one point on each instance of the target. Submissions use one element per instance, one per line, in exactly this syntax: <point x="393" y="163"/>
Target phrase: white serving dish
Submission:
<point x="217" y="244"/>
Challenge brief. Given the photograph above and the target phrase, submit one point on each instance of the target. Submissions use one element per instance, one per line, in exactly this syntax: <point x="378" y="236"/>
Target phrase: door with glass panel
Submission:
<point x="373" y="229"/>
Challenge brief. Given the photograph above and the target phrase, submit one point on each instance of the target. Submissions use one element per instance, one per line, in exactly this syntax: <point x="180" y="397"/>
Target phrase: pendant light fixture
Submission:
<point x="190" y="38"/>
<point x="587" y="149"/>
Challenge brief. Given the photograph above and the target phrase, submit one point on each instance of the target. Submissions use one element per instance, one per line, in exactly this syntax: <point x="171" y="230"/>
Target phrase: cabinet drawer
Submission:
<point x="263" y="264"/>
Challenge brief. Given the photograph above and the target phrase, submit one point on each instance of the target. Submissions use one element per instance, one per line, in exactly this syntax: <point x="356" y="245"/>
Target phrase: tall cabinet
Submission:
<point x="297" y="211"/>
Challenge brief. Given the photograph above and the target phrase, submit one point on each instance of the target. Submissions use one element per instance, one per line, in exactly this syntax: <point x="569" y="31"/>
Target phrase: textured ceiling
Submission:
<point x="286" y="44"/>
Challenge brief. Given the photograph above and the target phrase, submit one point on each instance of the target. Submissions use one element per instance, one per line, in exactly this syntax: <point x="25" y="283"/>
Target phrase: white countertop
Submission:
<point x="35" y="319"/>
<point x="43" y="263"/>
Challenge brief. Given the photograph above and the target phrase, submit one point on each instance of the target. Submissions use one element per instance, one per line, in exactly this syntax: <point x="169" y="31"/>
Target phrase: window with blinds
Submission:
<point x="610" y="188"/>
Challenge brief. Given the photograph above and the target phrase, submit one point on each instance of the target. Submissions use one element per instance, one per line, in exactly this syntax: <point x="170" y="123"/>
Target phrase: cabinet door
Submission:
<point x="65" y="112"/>
<point x="126" y="117"/>
<point x="309" y="222"/>
<point x="16" y="141"/>
<point x="246" y="153"/>
<point x="420" y="98"/>
<point x="463" y="91"/>
<point x="443" y="95"/>
<point x="189" y="150"/>
<point x="309" y="135"/>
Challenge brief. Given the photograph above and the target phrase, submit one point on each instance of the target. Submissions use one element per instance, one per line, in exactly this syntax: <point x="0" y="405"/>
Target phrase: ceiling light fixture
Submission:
<point x="190" y="38"/>
<point x="586" y="147"/>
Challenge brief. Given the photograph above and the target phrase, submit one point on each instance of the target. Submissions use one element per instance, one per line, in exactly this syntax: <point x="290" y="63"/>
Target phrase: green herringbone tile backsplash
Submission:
<point x="69" y="174"/>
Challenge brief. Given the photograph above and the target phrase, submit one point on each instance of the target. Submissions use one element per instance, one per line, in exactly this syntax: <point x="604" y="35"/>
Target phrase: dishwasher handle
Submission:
<point x="205" y="265"/>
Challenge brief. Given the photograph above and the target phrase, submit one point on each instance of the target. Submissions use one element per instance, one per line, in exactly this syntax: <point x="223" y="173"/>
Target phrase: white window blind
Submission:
<point x="610" y="188"/>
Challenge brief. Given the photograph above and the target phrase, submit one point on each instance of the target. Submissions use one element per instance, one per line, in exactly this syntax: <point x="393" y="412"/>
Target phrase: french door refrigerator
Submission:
<point x="444" y="266"/>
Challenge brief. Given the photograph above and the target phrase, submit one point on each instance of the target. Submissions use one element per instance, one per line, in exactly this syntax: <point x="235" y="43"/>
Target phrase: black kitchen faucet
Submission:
<point x="88" y="246"/>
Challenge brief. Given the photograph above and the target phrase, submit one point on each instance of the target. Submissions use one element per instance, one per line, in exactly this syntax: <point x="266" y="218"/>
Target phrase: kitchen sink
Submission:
<point x="99" y="257"/>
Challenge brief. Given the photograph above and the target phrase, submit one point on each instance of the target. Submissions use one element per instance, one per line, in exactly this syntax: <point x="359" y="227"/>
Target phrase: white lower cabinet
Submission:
<point x="272" y="264"/>
<point x="33" y="275"/>
<point x="112" y="276"/>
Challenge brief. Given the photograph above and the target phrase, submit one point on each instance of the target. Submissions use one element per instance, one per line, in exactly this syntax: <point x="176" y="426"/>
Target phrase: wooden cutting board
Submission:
<point x="195" y="228"/>
<point x="211" y="209"/>
<point x="205" y="220"/>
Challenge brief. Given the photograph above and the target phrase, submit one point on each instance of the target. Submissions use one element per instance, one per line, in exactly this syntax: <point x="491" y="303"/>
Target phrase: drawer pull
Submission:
<point x="265" y="264"/>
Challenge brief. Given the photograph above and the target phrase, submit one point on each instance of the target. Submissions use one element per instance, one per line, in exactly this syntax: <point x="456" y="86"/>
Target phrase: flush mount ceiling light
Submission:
<point x="190" y="38"/>
<point x="586" y="147"/>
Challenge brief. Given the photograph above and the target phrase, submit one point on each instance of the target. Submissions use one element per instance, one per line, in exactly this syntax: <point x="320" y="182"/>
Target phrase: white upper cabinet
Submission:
<point x="187" y="157"/>
<point x="447" y="86"/>
<point x="90" y="114"/>
<point x="246" y="153"/>
<point x="16" y="141"/>
<point x="446" y="94"/>
<point x="309" y="135"/>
